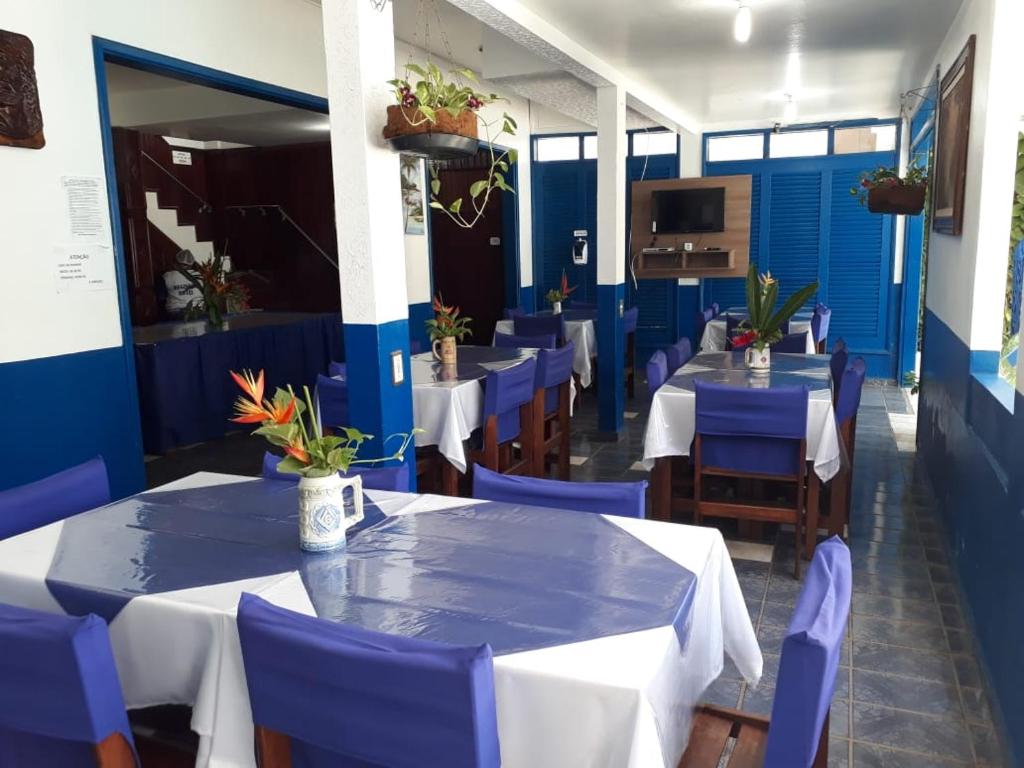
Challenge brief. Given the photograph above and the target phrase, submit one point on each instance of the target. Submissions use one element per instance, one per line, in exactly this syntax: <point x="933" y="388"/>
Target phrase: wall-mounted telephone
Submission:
<point x="579" y="247"/>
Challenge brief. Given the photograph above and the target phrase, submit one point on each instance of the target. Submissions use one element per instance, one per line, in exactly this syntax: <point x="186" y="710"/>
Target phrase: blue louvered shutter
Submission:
<point x="732" y="291"/>
<point x="558" y="191"/>
<point x="794" y="231"/>
<point x="858" y="268"/>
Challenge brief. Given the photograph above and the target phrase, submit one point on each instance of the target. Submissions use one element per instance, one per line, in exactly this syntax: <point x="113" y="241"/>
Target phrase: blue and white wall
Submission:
<point x="971" y="423"/>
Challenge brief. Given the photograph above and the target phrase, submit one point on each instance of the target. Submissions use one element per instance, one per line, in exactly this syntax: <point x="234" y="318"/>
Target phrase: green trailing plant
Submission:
<point x="916" y="176"/>
<point x="1011" y="339"/>
<point x="424" y="99"/>
<point x="763" y="325"/>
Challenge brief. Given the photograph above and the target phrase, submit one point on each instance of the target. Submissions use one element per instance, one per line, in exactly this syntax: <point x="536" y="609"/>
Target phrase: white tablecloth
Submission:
<point x="581" y="334"/>
<point x="672" y="420"/>
<point x="714" y="334"/>
<point x="622" y="701"/>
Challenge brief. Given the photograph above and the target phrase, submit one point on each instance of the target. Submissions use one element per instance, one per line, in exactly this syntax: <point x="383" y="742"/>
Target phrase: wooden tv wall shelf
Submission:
<point x="675" y="263"/>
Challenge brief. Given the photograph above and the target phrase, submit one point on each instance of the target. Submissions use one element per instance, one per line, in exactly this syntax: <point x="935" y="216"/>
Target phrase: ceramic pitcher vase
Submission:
<point x="322" y="517"/>
<point x="556" y="307"/>
<point x="447" y="354"/>
<point x="758" y="359"/>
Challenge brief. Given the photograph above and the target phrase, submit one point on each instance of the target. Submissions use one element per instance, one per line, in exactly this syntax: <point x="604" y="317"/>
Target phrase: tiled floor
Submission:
<point x="909" y="692"/>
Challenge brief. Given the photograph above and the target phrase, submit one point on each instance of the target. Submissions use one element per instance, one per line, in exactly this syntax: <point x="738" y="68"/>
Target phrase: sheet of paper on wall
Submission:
<point x="86" y="208"/>
<point x="80" y="268"/>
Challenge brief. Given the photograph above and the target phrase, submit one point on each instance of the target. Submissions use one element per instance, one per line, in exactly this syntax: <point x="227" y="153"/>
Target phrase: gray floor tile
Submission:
<point x="874" y="629"/>
<point x="723" y="693"/>
<point x="908" y="662"/>
<point x="896" y="609"/>
<point x="873" y="756"/>
<point x="904" y="693"/>
<point x="986" y="746"/>
<point x="926" y="734"/>
<point x="976" y="707"/>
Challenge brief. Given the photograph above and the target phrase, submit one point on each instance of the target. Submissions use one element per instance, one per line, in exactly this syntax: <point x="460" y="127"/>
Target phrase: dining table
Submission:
<point x="672" y="418"/>
<point x="580" y="327"/>
<point x="606" y="631"/>
<point x="715" y="331"/>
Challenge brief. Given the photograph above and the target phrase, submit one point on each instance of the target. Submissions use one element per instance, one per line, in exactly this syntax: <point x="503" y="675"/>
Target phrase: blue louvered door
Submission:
<point x="805" y="226"/>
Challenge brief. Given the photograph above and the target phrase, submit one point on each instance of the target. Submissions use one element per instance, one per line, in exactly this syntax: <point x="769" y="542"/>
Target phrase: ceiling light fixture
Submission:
<point x="744" y="23"/>
<point x="789" y="112"/>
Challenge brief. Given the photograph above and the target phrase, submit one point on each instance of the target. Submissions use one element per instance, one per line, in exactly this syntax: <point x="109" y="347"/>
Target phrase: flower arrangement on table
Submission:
<point x="763" y="325"/>
<point x="450" y="105"/>
<point x="446" y="327"/>
<point x="556" y="296"/>
<point x="883" y="190"/>
<point x="220" y="291"/>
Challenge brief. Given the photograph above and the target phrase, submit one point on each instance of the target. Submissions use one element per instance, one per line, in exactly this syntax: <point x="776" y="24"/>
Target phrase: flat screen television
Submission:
<point x="683" y="211"/>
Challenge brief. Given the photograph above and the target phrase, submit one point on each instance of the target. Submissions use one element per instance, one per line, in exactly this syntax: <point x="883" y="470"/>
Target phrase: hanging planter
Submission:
<point x="884" y="191"/>
<point x="439" y="119"/>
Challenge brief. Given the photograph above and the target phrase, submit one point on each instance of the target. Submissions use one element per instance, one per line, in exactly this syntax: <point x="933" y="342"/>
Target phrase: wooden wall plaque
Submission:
<point x="21" y="120"/>
<point x="731" y="253"/>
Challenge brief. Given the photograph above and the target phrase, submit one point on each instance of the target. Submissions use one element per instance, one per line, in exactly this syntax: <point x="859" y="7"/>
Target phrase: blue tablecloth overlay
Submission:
<point x="473" y="364"/>
<point x="519" y="578"/>
<point x="185" y="393"/>
<point x="787" y="370"/>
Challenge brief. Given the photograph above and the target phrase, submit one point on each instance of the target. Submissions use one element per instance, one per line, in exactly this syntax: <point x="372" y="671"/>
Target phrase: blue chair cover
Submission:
<point x="629" y="319"/>
<point x="622" y="499"/>
<point x="341" y="691"/>
<point x="374" y="478"/>
<point x="657" y="372"/>
<point x="701" y="321"/>
<point x="820" y="322"/>
<point x="849" y="392"/>
<point x="511" y="341"/>
<point x="53" y="498"/>
<point x="332" y="396"/>
<point x="716" y="310"/>
<point x="554" y="368"/>
<point x="415" y="346"/>
<point x="540" y="325"/>
<point x="505" y="392"/>
<point x="792" y="343"/>
<point x="515" y="312"/>
<point x="60" y="693"/>
<point x="811" y="651"/>
<point x="837" y="363"/>
<point x="337" y="370"/>
<point x="751" y="430"/>
<point x="678" y="355"/>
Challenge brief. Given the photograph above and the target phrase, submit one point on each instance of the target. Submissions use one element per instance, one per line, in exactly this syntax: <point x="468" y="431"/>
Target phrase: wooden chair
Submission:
<point x="751" y="435"/>
<point x="551" y="395"/>
<point x="508" y="418"/>
<point x="796" y="736"/>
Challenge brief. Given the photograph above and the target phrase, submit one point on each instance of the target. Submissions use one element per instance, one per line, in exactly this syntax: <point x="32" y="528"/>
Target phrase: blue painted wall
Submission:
<point x="61" y="411"/>
<point x="418" y="316"/>
<point x="972" y="445"/>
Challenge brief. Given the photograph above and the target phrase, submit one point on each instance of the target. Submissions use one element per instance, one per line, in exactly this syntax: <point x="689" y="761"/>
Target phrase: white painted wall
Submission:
<point x="277" y="41"/>
<point x="966" y="274"/>
<point x="417" y="254"/>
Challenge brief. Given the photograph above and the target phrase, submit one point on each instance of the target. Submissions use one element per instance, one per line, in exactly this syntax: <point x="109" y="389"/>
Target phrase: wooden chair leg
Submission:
<point x="449" y="478"/>
<point x="661" y="488"/>
<point x="839" y="502"/>
<point x="273" y="749"/>
<point x="813" y="504"/>
<point x="114" y="752"/>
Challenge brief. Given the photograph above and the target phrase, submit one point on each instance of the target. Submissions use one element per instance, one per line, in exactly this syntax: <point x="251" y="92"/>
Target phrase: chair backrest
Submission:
<point x="514" y="312"/>
<point x="78" y="489"/>
<point x="752" y="430"/>
<point x="657" y="371"/>
<point x="374" y="478"/>
<point x="505" y="392"/>
<point x="716" y="310"/>
<point x="791" y="343"/>
<point x="811" y="651"/>
<point x="343" y="691"/>
<point x="540" y="325"/>
<point x="622" y="499"/>
<point x="337" y="370"/>
<point x="415" y="346"/>
<point x="629" y="319"/>
<point x="511" y="341"/>
<point x="837" y="363"/>
<point x="60" y="695"/>
<point x="332" y="400"/>
<point x="678" y="355"/>
<point x="820" y="322"/>
<point x="554" y="368"/>
<point x="848" y="401"/>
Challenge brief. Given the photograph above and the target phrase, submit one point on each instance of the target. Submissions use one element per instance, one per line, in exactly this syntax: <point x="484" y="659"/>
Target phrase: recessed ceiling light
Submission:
<point x="744" y="23"/>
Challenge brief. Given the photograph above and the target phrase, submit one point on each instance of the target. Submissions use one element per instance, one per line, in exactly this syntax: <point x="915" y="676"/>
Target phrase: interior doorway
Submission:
<point x="475" y="268"/>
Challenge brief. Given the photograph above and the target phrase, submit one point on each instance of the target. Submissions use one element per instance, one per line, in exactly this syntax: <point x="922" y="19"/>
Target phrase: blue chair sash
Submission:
<point x="820" y="322"/>
<point x="540" y="325"/>
<point x="657" y="372"/>
<point x="60" y="693"/>
<point x="511" y="341"/>
<point x="678" y="355"/>
<point x="850" y="391"/>
<point x="792" y="343"/>
<point x="505" y="392"/>
<point x="622" y="499"/>
<point x="837" y="364"/>
<point x="554" y="368"/>
<point x="630" y="318"/>
<point x="337" y="370"/>
<point x="383" y="699"/>
<point x="59" y="496"/>
<point x="811" y="651"/>
<point x="374" y="478"/>
<point x="332" y="397"/>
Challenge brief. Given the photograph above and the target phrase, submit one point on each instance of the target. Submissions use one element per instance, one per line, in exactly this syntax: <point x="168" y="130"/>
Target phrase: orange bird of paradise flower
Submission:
<point x="566" y="290"/>
<point x="256" y="410"/>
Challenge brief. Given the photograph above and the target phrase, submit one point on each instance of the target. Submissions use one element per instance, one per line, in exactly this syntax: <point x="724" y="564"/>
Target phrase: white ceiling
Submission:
<point x="170" y="107"/>
<point x="855" y="56"/>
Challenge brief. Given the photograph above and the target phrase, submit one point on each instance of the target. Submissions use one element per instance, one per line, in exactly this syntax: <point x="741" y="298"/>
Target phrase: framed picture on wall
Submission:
<point x="950" y="177"/>
<point x="21" y="121"/>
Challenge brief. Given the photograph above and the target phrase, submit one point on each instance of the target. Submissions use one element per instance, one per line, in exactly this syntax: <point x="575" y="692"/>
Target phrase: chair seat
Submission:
<point x="714" y="727"/>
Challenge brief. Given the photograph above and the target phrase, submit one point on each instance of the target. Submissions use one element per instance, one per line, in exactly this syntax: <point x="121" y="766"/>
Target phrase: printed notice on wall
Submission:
<point x="85" y="203"/>
<point x="83" y="268"/>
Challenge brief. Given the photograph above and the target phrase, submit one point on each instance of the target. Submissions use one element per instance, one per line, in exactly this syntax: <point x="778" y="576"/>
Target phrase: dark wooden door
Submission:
<point x="468" y="264"/>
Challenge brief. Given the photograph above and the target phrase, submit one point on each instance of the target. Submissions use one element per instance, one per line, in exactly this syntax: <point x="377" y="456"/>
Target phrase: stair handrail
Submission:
<point x="286" y="218"/>
<point x="204" y="206"/>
